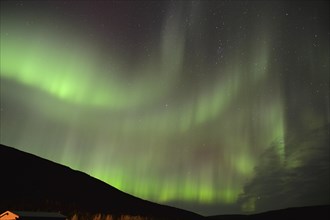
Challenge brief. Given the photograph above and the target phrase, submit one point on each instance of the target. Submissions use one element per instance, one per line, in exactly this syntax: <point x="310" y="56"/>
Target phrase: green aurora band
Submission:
<point x="148" y="133"/>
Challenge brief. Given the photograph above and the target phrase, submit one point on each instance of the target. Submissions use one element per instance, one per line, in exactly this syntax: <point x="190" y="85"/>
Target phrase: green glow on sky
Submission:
<point x="73" y="75"/>
<point x="184" y="124"/>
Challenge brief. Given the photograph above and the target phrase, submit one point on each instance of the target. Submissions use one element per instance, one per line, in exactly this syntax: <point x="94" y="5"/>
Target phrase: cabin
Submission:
<point x="20" y="215"/>
<point x="7" y="215"/>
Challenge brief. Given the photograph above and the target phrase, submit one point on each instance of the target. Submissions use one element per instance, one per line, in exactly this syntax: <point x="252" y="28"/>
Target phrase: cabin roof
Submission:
<point x="8" y="213"/>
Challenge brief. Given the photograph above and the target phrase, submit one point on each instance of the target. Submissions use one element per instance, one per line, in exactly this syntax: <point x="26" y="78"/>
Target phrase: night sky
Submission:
<point x="213" y="106"/>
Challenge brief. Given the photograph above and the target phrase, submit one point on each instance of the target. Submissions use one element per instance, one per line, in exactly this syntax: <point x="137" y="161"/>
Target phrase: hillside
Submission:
<point x="309" y="212"/>
<point x="32" y="183"/>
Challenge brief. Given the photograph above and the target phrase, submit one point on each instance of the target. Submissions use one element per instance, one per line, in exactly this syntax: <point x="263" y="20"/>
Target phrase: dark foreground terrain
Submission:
<point x="31" y="183"/>
<point x="36" y="184"/>
<point x="311" y="212"/>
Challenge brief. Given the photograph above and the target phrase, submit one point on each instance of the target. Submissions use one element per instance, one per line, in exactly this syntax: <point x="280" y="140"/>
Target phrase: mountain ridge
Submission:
<point x="38" y="183"/>
<point x="33" y="183"/>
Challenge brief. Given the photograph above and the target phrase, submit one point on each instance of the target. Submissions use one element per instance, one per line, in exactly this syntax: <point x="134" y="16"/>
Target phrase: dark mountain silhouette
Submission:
<point x="32" y="183"/>
<point x="308" y="212"/>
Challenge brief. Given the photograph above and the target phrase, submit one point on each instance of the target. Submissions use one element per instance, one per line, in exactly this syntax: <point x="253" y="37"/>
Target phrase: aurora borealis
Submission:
<point x="172" y="101"/>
